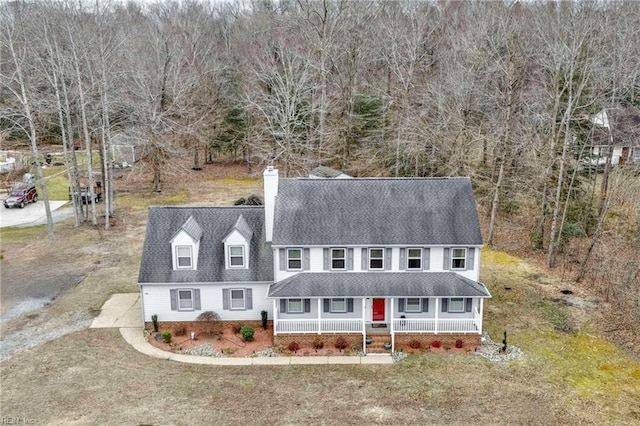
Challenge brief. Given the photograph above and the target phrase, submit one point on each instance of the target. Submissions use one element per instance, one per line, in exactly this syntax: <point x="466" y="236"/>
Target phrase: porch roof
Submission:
<point x="380" y="284"/>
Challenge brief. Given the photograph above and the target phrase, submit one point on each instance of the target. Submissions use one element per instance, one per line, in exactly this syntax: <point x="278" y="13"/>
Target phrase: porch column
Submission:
<point x="435" y="328"/>
<point x="480" y="319"/>
<point x="393" y="336"/>
<point x="364" y="325"/>
<point x="319" y="315"/>
<point x="275" y="317"/>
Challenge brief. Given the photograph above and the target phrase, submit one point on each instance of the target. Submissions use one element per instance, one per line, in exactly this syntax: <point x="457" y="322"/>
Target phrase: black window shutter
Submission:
<point x="283" y="259"/>
<point x="307" y="305"/>
<point x="425" y="305"/>
<point x="283" y="305"/>
<point x="425" y="258"/>
<point x="225" y="299"/>
<point x="403" y="262"/>
<point x="445" y="305"/>
<point x="326" y="305"/>
<point x="446" y="264"/>
<point x="350" y="259"/>
<point x="349" y="305"/>
<point x="326" y="259"/>
<point x="174" y="300"/>
<point x="401" y="305"/>
<point x="387" y="259"/>
<point x="365" y="261"/>
<point x="306" y="259"/>
<point x="196" y="297"/>
<point x="468" y="304"/>
<point x="471" y="251"/>
<point x="248" y="294"/>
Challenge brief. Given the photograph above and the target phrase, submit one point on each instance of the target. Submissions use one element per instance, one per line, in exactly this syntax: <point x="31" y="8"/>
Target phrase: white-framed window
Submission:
<point x="295" y="306"/>
<point x="236" y="257"/>
<point x="184" y="258"/>
<point x="236" y="299"/>
<point x="376" y="258"/>
<point x="456" y="304"/>
<point x="185" y="300"/>
<point x="338" y="259"/>
<point x="459" y="258"/>
<point x="339" y="305"/>
<point x="294" y="259"/>
<point x="414" y="258"/>
<point x="413" y="305"/>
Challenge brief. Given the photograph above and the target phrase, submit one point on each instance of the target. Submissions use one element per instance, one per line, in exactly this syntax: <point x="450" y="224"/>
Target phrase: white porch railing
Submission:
<point x="466" y="325"/>
<point x="326" y="325"/>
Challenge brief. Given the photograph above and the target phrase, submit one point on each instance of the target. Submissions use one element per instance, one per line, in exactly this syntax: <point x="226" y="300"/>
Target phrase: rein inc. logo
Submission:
<point x="16" y="420"/>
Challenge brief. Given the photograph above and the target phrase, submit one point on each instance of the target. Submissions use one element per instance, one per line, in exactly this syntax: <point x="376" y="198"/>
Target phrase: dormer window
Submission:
<point x="236" y="257"/>
<point x="185" y="245"/>
<point x="184" y="257"/>
<point x="236" y="245"/>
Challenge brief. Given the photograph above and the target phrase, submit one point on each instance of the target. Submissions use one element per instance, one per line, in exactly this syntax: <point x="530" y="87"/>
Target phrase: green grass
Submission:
<point x="22" y="234"/>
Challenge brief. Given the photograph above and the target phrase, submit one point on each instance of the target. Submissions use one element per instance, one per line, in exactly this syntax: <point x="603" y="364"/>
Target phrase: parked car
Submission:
<point x="20" y="195"/>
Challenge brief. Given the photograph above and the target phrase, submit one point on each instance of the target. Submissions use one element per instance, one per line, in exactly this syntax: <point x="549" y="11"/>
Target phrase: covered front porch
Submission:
<point x="366" y="304"/>
<point x="394" y="321"/>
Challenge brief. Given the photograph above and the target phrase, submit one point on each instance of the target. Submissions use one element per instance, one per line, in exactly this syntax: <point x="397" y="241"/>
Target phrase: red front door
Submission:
<point x="378" y="310"/>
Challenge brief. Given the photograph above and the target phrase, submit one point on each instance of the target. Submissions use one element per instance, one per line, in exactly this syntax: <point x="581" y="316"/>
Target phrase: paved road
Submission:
<point x="34" y="214"/>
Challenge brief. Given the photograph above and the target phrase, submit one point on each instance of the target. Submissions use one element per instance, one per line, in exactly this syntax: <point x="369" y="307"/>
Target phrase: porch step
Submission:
<point x="378" y="342"/>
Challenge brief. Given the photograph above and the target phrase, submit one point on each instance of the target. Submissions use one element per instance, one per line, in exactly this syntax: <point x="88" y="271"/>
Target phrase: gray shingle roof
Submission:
<point x="243" y="228"/>
<point x="215" y="222"/>
<point x="376" y="211"/>
<point x="381" y="284"/>
<point x="192" y="228"/>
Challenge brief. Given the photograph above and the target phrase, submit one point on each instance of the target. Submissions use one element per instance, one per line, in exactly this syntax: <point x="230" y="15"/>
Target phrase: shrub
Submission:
<point x="293" y="347"/>
<point x="264" y="315"/>
<point x="318" y="344"/>
<point x="459" y="343"/>
<point x="340" y="343"/>
<point x="414" y="344"/>
<point x="154" y="320"/>
<point x="504" y="342"/>
<point x="436" y="344"/>
<point x="166" y="337"/>
<point x="247" y="333"/>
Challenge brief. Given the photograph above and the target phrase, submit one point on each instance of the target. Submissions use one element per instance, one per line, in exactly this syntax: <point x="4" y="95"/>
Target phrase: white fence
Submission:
<point x="324" y="325"/>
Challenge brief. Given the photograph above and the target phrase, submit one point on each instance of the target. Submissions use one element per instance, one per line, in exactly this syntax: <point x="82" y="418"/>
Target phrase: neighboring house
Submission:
<point x="325" y="258"/>
<point x="324" y="172"/>
<point x="616" y="132"/>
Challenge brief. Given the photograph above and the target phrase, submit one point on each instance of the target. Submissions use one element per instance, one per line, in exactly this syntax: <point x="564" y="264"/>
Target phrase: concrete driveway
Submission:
<point x="120" y="311"/>
<point x="34" y="214"/>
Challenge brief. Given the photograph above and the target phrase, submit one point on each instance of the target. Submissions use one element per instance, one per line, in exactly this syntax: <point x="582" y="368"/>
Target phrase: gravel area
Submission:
<point x="206" y="349"/>
<point x="266" y="353"/>
<point x="491" y="350"/>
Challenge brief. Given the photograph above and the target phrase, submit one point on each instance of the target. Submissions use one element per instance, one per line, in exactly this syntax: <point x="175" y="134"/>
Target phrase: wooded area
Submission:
<point x="504" y="92"/>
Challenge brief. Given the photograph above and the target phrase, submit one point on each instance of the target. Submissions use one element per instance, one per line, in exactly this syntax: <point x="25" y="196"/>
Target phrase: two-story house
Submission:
<point x="325" y="258"/>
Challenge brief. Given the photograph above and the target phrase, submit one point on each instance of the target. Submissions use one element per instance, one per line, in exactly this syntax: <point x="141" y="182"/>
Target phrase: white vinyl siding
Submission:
<point x="156" y="300"/>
